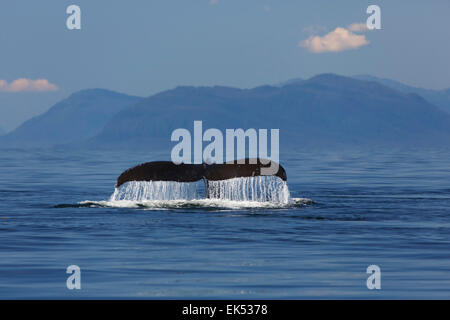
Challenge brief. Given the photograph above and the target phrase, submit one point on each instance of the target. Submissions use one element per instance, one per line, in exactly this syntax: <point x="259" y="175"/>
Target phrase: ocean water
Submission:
<point x="348" y="210"/>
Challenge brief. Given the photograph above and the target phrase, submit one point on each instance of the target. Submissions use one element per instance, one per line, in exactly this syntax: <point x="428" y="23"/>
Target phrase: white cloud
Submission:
<point x="339" y="39"/>
<point x="22" y="84"/>
<point x="358" y="27"/>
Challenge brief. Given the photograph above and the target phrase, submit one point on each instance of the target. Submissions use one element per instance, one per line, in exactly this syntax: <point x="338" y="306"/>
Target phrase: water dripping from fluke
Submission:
<point x="257" y="180"/>
<point x="163" y="184"/>
<point x="254" y="189"/>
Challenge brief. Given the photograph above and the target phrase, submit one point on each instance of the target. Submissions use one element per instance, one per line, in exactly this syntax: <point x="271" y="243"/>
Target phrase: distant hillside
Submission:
<point x="326" y="110"/>
<point x="440" y="98"/>
<point x="289" y="82"/>
<point x="80" y="116"/>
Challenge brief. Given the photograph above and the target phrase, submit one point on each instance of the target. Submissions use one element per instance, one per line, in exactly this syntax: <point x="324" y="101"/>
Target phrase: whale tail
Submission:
<point x="169" y="171"/>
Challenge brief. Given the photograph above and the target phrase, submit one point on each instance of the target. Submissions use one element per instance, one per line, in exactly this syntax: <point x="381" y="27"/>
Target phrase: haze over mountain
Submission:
<point x="327" y="110"/>
<point x="78" y="117"/>
<point x="440" y="98"/>
<point x="290" y="81"/>
<point x="2" y="132"/>
<point x="16" y="108"/>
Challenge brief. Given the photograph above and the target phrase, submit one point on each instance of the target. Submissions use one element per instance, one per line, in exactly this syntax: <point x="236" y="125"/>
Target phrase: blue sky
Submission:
<point x="142" y="47"/>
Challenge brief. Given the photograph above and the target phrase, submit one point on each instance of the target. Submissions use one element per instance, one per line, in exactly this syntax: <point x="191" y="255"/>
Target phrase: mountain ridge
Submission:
<point x="75" y="118"/>
<point x="440" y="98"/>
<point x="326" y="109"/>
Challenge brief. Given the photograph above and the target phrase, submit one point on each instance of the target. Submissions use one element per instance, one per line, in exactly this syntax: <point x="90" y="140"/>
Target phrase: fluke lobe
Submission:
<point x="169" y="171"/>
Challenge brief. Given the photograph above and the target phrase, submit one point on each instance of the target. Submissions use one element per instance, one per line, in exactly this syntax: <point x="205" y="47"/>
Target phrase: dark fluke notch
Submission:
<point x="168" y="171"/>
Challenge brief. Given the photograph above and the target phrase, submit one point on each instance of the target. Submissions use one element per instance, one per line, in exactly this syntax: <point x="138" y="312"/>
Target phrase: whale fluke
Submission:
<point x="168" y="171"/>
<point x="162" y="171"/>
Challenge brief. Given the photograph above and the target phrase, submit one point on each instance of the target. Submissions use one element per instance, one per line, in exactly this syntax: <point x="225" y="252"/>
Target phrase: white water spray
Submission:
<point x="155" y="190"/>
<point x="260" y="189"/>
<point x="257" y="189"/>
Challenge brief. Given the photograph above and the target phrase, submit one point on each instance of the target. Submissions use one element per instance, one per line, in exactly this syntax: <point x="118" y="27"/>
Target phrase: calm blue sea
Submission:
<point x="390" y="208"/>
